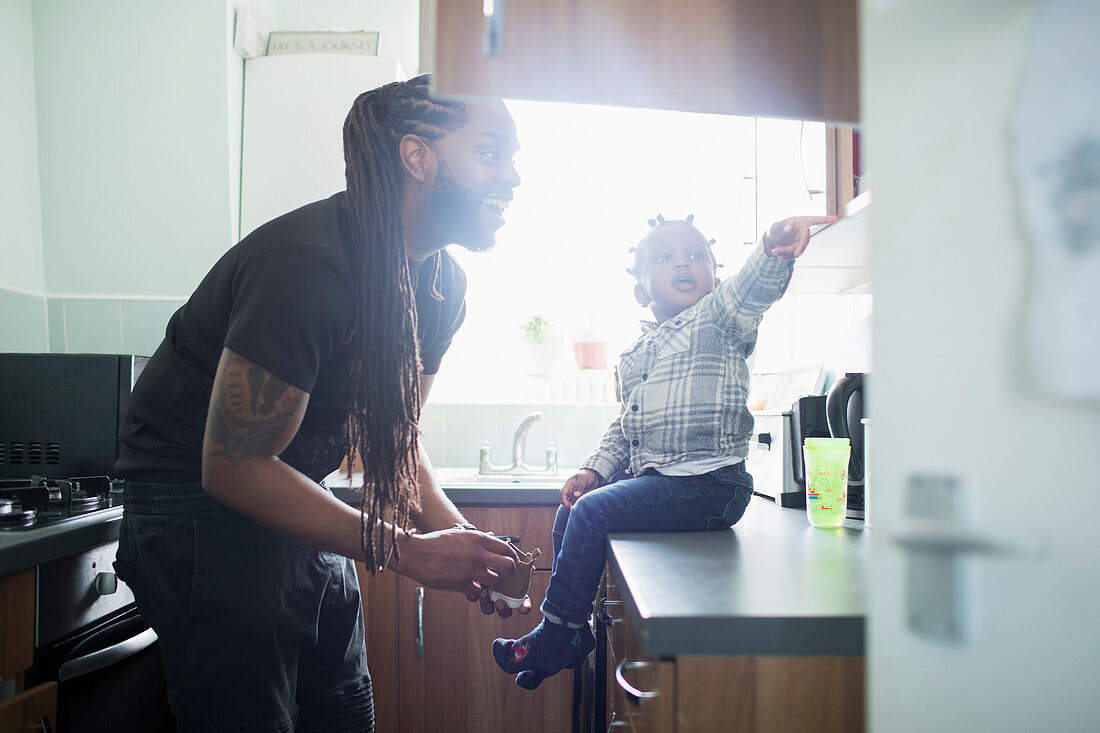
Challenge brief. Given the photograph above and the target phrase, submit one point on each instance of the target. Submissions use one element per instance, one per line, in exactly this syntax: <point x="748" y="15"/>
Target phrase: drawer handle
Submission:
<point x="603" y="615"/>
<point x="492" y="37"/>
<point x="632" y="693"/>
<point x="513" y="538"/>
<point x="419" y="621"/>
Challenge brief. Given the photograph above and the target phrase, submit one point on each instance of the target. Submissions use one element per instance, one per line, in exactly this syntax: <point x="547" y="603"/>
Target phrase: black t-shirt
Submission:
<point x="283" y="298"/>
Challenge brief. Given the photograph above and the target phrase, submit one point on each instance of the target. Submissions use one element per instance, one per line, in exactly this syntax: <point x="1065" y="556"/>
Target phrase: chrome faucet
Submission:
<point x="519" y="465"/>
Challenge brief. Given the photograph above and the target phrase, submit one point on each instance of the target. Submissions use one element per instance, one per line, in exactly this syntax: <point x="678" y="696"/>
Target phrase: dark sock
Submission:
<point x="549" y="648"/>
<point x="529" y="679"/>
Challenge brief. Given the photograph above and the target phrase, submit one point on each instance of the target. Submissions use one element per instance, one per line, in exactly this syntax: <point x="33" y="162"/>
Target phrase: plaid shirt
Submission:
<point x="685" y="383"/>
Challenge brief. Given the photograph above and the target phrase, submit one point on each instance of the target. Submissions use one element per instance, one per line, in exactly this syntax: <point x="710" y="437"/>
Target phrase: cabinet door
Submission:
<point x="641" y="689"/>
<point x="16" y="622"/>
<point x="33" y="710"/>
<point x="745" y="57"/>
<point x="532" y="525"/>
<point x="379" y="594"/>
<point x="449" y="681"/>
<point x="760" y="694"/>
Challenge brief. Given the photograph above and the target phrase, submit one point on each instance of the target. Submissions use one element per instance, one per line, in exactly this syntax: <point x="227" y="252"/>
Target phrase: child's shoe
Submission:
<point x="513" y="589"/>
<point x="549" y="648"/>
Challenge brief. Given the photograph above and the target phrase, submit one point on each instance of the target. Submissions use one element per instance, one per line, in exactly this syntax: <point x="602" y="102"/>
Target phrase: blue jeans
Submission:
<point x="650" y="502"/>
<point x="257" y="632"/>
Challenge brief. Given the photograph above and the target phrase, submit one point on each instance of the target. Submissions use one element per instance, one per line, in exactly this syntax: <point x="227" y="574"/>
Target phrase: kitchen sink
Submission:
<point x="470" y="477"/>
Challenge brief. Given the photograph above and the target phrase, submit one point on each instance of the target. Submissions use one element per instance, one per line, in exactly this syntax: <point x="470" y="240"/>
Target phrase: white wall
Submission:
<point x="133" y="144"/>
<point x="951" y="393"/>
<point x="21" y="233"/>
<point x="122" y="152"/>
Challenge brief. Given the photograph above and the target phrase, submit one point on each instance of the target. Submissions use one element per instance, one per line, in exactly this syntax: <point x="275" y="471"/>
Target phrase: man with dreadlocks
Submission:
<point x="314" y="338"/>
<point x="682" y="434"/>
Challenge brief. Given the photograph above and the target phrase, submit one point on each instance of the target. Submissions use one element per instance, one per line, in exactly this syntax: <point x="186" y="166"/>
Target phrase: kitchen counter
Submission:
<point x="461" y="487"/>
<point x="25" y="549"/>
<point x="770" y="585"/>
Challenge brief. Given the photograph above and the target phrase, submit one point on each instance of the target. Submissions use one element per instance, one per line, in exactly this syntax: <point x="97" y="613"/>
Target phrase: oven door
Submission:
<point x="94" y="644"/>
<point x="109" y="678"/>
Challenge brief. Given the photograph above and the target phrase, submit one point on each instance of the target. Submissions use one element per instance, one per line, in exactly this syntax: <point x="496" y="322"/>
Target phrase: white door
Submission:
<point x="293" y="143"/>
<point x="1011" y="642"/>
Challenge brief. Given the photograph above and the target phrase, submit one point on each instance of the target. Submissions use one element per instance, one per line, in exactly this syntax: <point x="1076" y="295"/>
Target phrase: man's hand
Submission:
<point x="489" y="607"/>
<point x="578" y="485"/>
<point x="788" y="239"/>
<point x="455" y="559"/>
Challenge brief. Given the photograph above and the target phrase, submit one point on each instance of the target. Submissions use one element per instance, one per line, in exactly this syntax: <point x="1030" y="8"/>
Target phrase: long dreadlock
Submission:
<point x="381" y="428"/>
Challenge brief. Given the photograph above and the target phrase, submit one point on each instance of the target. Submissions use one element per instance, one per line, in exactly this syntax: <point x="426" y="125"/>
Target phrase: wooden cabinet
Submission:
<point x="27" y="710"/>
<point x="640" y="689"/>
<point x="734" y="694"/>
<point x="33" y="710"/>
<point x="16" y="622"/>
<point x="429" y="651"/>
<point x="747" y="57"/>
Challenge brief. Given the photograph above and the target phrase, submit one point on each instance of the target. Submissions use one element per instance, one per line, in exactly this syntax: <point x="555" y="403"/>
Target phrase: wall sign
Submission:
<point x="362" y="43"/>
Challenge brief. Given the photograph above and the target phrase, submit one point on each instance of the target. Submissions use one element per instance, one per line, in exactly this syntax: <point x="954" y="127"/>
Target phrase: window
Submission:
<point x="592" y="176"/>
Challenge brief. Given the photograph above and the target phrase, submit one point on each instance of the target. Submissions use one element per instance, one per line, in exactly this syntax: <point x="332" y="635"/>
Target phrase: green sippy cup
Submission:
<point x="826" y="480"/>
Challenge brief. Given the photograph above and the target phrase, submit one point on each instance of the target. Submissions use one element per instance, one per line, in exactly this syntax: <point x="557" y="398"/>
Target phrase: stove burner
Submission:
<point x="85" y="503"/>
<point x="18" y="519"/>
<point x="38" y="501"/>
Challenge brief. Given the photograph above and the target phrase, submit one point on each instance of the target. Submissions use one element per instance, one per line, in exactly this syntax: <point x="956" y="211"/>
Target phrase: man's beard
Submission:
<point x="458" y="213"/>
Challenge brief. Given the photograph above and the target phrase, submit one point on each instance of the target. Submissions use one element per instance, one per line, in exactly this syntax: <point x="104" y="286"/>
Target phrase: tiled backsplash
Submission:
<point x="22" y="322"/>
<point x="33" y="323"/>
<point x="453" y="434"/>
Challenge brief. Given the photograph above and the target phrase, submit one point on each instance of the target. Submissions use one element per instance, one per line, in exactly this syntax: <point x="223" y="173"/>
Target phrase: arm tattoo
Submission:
<point x="251" y="413"/>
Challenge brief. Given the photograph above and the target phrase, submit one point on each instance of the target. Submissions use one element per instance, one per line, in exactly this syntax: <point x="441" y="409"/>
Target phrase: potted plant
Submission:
<point x="543" y="340"/>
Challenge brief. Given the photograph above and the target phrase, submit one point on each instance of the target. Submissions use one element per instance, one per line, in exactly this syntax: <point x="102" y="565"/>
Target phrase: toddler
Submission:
<point x="682" y="433"/>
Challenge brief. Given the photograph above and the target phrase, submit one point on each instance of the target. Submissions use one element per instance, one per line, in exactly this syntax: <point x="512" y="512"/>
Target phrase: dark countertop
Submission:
<point x="25" y="549"/>
<point x="771" y="585"/>
<point x="469" y="493"/>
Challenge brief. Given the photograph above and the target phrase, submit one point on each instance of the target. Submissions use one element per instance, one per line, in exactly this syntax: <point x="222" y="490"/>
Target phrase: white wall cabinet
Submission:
<point x="838" y="258"/>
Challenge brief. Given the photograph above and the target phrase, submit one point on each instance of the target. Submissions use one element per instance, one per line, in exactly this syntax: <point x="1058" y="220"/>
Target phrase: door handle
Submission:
<point x="936" y="541"/>
<point x="936" y="579"/>
<point x="104" y="658"/>
<point x="603" y="614"/>
<point x="419" y="621"/>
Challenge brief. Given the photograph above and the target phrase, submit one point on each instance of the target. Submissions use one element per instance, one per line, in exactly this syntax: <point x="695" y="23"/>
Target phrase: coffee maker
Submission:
<point x="844" y="411"/>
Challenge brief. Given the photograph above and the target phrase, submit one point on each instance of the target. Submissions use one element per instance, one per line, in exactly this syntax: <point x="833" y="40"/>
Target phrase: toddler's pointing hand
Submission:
<point x="789" y="238"/>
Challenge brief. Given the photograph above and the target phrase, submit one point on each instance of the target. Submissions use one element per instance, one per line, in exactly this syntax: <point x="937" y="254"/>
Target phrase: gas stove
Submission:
<point x="27" y="504"/>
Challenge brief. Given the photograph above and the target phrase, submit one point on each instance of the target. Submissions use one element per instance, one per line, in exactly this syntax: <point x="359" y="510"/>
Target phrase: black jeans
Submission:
<point x="256" y="631"/>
